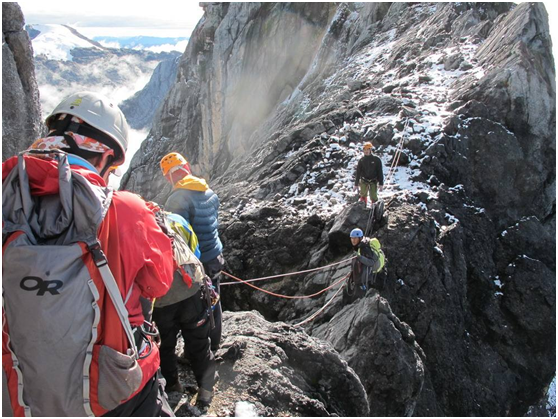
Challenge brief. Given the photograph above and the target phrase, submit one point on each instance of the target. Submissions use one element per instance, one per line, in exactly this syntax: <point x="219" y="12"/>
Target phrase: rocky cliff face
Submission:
<point x="140" y="108"/>
<point x="382" y="350"/>
<point x="21" y="113"/>
<point x="243" y="59"/>
<point x="459" y="100"/>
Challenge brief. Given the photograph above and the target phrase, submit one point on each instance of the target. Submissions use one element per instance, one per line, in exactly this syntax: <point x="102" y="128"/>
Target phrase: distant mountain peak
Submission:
<point x="56" y="42"/>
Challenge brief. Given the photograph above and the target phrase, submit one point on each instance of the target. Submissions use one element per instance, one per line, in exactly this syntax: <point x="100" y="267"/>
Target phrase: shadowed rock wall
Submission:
<point x="21" y="111"/>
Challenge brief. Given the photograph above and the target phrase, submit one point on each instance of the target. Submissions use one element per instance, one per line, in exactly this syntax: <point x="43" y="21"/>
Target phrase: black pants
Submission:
<point x="184" y="316"/>
<point x="213" y="269"/>
<point x="151" y="401"/>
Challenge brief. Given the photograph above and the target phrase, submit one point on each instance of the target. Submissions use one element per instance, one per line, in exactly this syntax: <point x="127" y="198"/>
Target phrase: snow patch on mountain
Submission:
<point x="425" y="99"/>
<point x="56" y="42"/>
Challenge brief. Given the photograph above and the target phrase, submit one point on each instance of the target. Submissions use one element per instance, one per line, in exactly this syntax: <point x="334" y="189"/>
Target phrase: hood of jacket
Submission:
<point x="192" y="183"/>
<point x="77" y="211"/>
<point x="43" y="174"/>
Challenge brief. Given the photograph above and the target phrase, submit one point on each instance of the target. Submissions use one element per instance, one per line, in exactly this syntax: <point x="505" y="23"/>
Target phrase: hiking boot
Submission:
<point x="175" y="387"/>
<point x="204" y="399"/>
<point x="202" y="406"/>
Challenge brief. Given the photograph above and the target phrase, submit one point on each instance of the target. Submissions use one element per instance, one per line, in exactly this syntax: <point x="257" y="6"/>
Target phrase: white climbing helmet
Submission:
<point x="99" y="112"/>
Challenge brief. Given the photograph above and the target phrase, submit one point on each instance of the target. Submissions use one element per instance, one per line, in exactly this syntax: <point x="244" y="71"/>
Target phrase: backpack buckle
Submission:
<point x="98" y="256"/>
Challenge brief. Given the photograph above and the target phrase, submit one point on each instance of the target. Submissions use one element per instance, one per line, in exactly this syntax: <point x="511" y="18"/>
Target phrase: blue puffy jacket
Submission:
<point x="199" y="205"/>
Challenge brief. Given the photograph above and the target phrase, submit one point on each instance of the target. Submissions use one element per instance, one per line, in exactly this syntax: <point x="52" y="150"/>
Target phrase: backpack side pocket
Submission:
<point x="120" y="376"/>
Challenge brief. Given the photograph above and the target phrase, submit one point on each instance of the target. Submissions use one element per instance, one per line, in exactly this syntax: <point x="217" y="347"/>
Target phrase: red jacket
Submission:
<point x="139" y="255"/>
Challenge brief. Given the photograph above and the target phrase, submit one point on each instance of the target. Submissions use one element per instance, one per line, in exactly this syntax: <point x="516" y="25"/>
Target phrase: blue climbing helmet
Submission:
<point x="357" y="232"/>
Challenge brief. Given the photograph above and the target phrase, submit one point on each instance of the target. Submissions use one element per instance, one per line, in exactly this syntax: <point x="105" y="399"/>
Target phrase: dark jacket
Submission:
<point x="363" y="266"/>
<point x="370" y="168"/>
<point x="200" y="208"/>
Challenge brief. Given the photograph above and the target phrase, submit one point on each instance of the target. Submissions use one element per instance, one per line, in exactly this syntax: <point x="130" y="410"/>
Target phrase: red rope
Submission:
<point x="288" y="274"/>
<point x="312" y="317"/>
<point x="292" y="297"/>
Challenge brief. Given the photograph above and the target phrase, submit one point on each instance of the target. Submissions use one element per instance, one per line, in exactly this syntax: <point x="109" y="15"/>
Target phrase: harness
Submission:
<point x="369" y="181"/>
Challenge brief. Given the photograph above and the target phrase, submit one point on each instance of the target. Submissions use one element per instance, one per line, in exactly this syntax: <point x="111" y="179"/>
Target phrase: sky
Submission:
<point x="115" y="18"/>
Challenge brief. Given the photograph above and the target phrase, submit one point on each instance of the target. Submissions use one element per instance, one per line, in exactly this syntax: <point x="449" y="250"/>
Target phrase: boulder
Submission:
<point x="283" y="371"/>
<point x="382" y="350"/>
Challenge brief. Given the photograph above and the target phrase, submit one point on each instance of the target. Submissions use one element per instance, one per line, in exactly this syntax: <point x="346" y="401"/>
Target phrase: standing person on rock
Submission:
<point x="369" y="176"/>
<point x="199" y="205"/>
<point x="185" y="308"/>
<point x="77" y="259"/>
<point x="369" y="260"/>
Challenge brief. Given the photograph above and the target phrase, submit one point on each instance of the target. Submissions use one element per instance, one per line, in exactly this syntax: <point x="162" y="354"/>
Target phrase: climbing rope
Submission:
<point x="370" y="222"/>
<point x="317" y="313"/>
<point x="290" y="297"/>
<point x="396" y="156"/>
<point x="395" y="161"/>
<point x="287" y="274"/>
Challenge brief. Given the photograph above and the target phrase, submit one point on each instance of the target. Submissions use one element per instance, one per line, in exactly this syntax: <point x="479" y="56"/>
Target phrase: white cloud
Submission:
<point x="180" y="46"/>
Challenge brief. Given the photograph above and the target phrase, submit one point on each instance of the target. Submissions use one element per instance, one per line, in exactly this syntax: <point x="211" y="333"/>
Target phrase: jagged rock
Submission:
<point x="351" y="217"/>
<point x="518" y="91"/>
<point x="532" y="238"/>
<point x="472" y="109"/>
<point x="355" y="85"/>
<point x="384" y="105"/>
<point x="490" y="162"/>
<point x="283" y="371"/>
<point x="21" y="113"/>
<point x="383" y="135"/>
<point x="382" y="350"/>
<point x="453" y="62"/>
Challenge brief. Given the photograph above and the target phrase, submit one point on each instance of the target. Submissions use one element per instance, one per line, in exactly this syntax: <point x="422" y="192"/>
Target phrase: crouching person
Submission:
<point x="369" y="260"/>
<point x="186" y="308"/>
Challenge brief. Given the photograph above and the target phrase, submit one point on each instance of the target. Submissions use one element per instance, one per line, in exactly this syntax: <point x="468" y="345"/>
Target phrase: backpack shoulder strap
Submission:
<point x="114" y="293"/>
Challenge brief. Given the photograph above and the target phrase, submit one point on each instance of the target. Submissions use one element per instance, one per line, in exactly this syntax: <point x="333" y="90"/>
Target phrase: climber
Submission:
<point x="199" y="205"/>
<point x="92" y="355"/>
<point x="369" y="175"/>
<point x="185" y="308"/>
<point x="369" y="261"/>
